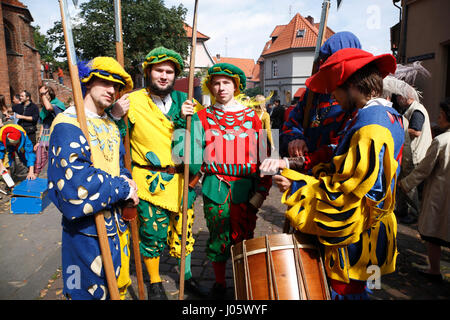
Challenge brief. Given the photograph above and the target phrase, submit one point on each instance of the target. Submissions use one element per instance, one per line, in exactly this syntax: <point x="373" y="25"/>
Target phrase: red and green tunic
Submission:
<point x="228" y="146"/>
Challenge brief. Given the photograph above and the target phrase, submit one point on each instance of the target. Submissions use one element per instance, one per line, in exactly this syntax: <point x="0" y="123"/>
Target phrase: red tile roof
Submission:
<point x="16" y="3"/>
<point x="247" y="65"/>
<point x="200" y="35"/>
<point x="255" y="73"/>
<point x="287" y="35"/>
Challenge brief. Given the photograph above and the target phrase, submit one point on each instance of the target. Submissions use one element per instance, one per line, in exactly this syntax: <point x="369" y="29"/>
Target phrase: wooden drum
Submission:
<point x="279" y="267"/>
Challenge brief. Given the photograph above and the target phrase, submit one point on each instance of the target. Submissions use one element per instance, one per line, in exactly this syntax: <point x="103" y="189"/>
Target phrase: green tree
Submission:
<point x="43" y="45"/>
<point x="146" y="24"/>
<point x="252" y="92"/>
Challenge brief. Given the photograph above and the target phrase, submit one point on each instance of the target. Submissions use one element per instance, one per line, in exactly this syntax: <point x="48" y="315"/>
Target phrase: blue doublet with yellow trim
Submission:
<point x="80" y="188"/>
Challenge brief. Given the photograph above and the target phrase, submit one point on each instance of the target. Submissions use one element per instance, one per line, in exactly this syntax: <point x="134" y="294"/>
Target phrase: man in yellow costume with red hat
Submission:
<point x="80" y="187"/>
<point x="349" y="202"/>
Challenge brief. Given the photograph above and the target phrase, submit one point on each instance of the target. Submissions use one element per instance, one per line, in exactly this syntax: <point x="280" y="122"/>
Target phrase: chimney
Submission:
<point x="310" y="19"/>
<point x="218" y="56"/>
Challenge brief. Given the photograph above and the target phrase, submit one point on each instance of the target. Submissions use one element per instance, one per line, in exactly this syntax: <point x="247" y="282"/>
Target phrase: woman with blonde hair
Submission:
<point x="4" y="110"/>
<point x="260" y="109"/>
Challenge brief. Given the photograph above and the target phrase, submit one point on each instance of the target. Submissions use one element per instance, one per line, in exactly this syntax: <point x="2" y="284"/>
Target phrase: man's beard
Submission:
<point x="155" y="89"/>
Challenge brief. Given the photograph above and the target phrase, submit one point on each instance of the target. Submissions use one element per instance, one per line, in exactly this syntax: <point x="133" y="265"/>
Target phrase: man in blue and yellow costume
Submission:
<point x="348" y="203"/>
<point x="326" y="118"/>
<point x="79" y="187"/>
<point x="155" y="113"/>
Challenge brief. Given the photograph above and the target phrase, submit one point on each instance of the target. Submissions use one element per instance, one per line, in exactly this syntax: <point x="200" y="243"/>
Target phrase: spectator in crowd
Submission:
<point x="28" y="115"/>
<point x="13" y="139"/>
<point x="261" y="111"/>
<point x="51" y="107"/>
<point x="434" y="170"/>
<point x="4" y="110"/>
<point x="277" y="116"/>
<point x="42" y="70"/>
<point x="418" y="138"/>
<point x="46" y="70"/>
<point x="60" y="76"/>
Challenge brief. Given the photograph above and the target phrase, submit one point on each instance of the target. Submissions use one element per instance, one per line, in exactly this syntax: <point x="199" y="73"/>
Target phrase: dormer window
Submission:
<point x="300" y="33"/>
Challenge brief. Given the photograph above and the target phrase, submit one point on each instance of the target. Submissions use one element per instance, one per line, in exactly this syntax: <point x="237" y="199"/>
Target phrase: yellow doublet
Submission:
<point x="104" y="140"/>
<point x="152" y="132"/>
<point x="335" y="207"/>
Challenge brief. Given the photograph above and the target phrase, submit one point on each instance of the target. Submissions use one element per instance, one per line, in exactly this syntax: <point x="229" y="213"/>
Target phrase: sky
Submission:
<point x="240" y="28"/>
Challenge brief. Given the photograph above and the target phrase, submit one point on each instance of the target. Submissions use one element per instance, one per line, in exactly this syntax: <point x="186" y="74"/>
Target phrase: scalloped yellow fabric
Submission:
<point x="335" y="206"/>
<point x="146" y="116"/>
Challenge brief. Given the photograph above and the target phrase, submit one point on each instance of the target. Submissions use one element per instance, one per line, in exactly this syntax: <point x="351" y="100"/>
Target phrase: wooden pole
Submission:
<point x="81" y="117"/>
<point x="127" y="160"/>
<point x="187" y="153"/>
<point x="315" y="68"/>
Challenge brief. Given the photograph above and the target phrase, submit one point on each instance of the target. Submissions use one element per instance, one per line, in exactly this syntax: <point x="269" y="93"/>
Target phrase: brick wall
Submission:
<point x="4" y="76"/>
<point x="23" y="64"/>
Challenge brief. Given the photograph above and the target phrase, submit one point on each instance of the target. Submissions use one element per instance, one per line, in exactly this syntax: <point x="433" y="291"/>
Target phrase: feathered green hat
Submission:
<point x="229" y="70"/>
<point x="162" y="54"/>
<point x="106" y="68"/>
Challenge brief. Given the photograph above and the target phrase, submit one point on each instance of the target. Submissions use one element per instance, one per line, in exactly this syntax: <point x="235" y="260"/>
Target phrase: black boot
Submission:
<point x="156" y="292"/>
<point x="218" y="292"/>
<point x="194" y="287"/>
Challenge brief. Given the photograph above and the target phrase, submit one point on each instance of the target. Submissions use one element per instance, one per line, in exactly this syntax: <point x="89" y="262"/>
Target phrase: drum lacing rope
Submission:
<point x="301" y="279"/>
<point x="273" y="288"/>
<point x="248" y="285"/>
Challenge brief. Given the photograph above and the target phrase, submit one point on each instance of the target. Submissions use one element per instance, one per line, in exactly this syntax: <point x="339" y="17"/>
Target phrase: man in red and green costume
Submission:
<point x="227" y="140"/>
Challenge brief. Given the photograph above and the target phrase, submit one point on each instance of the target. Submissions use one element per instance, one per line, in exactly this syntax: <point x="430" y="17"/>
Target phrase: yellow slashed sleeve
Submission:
<point x="334" y="204"/>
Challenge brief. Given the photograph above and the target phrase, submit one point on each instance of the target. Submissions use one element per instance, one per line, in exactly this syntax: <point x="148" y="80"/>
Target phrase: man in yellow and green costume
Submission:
<point x="80" y="187"/>
<point x="349" y="202"/>
<point x="155" y="112"/>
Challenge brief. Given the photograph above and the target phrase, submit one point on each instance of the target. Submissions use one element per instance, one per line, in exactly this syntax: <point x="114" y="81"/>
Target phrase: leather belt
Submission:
<point x="168" y="169"/>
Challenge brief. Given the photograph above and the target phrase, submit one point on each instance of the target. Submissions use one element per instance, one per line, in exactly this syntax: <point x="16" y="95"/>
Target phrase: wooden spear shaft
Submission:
<point x="320" y="39"/>
<point x="187" y="153"/>
<point x="310" y="97"/>
<point x="127" y="159"/>
<point x="81" y="117"/>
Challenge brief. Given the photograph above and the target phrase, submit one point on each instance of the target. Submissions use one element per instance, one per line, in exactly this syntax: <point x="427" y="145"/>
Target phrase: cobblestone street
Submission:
<point x="404" y="284"/>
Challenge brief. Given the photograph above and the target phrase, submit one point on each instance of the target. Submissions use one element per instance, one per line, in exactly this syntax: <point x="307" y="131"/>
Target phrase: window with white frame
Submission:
<point x="274" y="68"/>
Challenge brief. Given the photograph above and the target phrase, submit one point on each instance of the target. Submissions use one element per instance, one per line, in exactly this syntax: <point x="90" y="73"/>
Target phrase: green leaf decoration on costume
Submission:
<point x="243" y="135"/>
<point x="247" y="124"/>
<point x="229" y="136"/>
<point x="166" y="176"/>
<point x="153" y="158"/>
<point x="157" y="178"/>
<point x="210" y="121"/>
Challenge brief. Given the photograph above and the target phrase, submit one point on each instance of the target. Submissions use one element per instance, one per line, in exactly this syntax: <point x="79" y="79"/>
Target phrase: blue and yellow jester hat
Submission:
<point x="162" y="54"/>
<point x="105" y="68"/>
<point x="229" y="70"/>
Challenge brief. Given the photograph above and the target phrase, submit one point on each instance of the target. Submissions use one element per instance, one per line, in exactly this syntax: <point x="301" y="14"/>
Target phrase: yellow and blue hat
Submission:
<point x="105" y="68"/>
